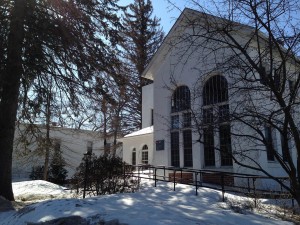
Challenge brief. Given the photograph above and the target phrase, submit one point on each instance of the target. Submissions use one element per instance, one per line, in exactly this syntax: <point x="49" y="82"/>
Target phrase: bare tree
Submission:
<point x="249" y="79"/>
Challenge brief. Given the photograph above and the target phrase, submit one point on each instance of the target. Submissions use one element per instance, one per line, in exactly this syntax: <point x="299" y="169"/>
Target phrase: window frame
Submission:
<point x="187" y="148"/>
<point x="145" y="155"/>
<point x="215" y="115"/>
<point x="270" y="143"/>
<point x="89" y="147"/>
<point x="175" y="149"/>
<point x="180" y="123"/>
<point x="133" y="156"/>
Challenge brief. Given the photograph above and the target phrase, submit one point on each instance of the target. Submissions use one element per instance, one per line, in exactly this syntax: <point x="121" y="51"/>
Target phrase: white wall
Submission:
<point x="73" y="146"/>
<point x="137" y="142"/>
<point x="147" y="105"/>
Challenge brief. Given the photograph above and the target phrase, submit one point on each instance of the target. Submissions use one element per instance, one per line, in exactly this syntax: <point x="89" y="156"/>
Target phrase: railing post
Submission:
<point x="164" y="173"/>
<point x="249" y="189"/>
<point x="85" y="174"/>
<point x="124" y="174"/>
<point x="254" y="191"/>
<point x="174" y="173"/>
<point x="155" y="177"/>
<point x="200" y="178"/>
<point x="223" y="188"/>
<point x="196" y="182"/>
<point x="138" y="177"/>
<point x="181" y="176"/>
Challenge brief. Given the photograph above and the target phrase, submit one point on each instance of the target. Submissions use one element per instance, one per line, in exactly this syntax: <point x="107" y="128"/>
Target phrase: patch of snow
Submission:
<point x="38" y="190"/>
<point x="148" y="206"/>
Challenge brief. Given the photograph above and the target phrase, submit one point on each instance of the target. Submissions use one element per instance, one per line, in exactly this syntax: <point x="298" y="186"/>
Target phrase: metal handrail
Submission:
<point x="250" y="189"/>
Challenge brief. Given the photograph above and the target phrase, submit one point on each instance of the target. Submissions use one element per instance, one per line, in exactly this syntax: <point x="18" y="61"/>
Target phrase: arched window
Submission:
<point x="133" y="156"/>
<point x="181" y="99"/>
<point x="215" y="90"/>
<point x="216" y="115"/>
<point x="145" y="154"/>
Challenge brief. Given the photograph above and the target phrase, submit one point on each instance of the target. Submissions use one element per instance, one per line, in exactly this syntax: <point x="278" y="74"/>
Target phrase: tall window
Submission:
<point x="133" y="156"/>
<point x="225" y="145"/>
<point x="175" y="149"/>
<point x="181" y="126"/>
<point x="187" y="148"/>
<point x="216" y="121"/>
<point x="209" y="147"/>
<point x="270" y="138"/>
<point x="145" y="154"/>
<point x="285" y="148"/>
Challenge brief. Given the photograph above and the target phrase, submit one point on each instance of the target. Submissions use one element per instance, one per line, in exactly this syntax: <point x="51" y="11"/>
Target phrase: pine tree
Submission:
<point x="142" y="36"/>
<point x="57" y="171"/>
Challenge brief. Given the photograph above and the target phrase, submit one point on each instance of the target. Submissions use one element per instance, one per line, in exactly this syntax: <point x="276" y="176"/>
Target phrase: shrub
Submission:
<point x="36" y="173"/>
<point x="104" y="175"/>
<point x="57" y="171"/>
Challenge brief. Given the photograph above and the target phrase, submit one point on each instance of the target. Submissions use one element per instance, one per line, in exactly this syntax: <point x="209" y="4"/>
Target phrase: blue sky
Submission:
<point x="163" y="10"/>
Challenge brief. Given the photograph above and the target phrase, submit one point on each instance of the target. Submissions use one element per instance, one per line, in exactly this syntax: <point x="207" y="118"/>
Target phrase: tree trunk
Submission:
<point x="9" y="96"/>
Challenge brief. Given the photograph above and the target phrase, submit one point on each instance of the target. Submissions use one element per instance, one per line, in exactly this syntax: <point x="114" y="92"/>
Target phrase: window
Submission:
<point x="270" y="141"/>
<point x="133" y="156"/>
<point x="278" y="79"/>
<point x="145" y="154"/>
<point x="285" y="148"/>
<point x="175" y="122"/>
<point x="187" y="148"/>
<point x="292" y="85"/>
<point x="208" y="116"/>
<point x="175" y="149"/>
<point x="181" y="99"/>
<point x="89" y="147"/>
<point x="223" y="113"/>
<point x="216" y="115"/>
<point x="263" y="73"/>
<point x="181" y="118"/>
<point x="57" y="146"/>
<point x="209" y="147"/>
<point x="187" y="120"/>
<point x="225" y="145"/>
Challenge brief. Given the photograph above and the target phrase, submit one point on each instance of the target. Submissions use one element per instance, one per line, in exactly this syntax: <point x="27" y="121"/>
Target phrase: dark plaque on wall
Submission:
<point x="160" y="145"/>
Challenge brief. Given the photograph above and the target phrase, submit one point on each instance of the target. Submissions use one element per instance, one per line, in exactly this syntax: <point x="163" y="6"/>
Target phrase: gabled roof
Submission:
<point x="186" y="18"/>
<point x="163" y="48"/>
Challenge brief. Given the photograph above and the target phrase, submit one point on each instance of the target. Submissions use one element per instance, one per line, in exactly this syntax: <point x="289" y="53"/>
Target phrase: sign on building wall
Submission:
<point x="160" y="145"/>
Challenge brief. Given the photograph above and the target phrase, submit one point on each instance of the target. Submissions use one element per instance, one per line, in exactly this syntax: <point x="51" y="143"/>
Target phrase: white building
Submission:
<point x="29" y="148"/>
<point x="188" y="89"/>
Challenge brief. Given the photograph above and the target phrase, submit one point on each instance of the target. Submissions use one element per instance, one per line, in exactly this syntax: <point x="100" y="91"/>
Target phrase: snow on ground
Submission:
<point x="148" y="206"/>
<point x="38" y="190"/>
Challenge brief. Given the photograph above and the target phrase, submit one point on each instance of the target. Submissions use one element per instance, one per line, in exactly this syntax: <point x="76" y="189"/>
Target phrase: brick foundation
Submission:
<point x="183" y="178"/>
<point x="216" y="179"/>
